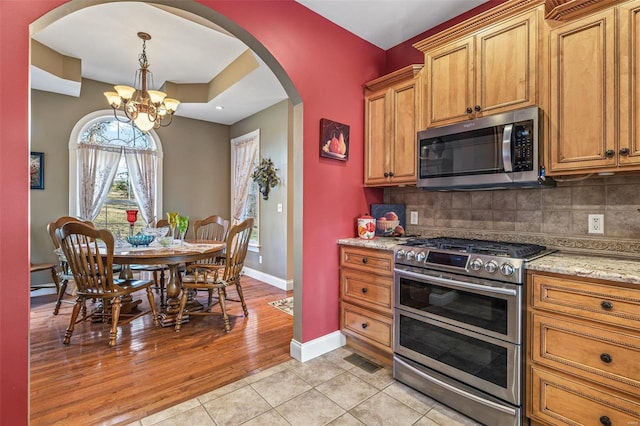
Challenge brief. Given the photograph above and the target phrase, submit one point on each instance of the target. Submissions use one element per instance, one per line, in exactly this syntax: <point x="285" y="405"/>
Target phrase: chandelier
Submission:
<point x="147" y="109"/>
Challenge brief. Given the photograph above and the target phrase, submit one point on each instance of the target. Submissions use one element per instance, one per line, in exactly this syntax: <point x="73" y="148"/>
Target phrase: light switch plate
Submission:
<point x="279" y="207"/>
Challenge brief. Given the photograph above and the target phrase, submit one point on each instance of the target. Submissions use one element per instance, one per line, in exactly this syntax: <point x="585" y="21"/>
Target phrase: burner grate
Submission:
<point x="495" y="248"/>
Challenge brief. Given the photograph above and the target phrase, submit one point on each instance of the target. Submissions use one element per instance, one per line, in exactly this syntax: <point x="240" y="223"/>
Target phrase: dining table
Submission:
<point x="177" y="254"/>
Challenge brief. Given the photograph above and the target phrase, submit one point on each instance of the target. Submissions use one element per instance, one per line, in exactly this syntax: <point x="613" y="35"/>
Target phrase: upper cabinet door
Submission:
<point x="583" y="94"/>
<point x="376" y="148"/>
<point x="506" y="64"/>
<point x="629" y="143"/>
<point x="404" y="129"/>
<point x="449" y="82"/>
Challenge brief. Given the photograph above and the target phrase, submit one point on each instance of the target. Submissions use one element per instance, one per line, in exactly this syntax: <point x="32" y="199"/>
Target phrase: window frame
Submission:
<point x="78" y="130"/>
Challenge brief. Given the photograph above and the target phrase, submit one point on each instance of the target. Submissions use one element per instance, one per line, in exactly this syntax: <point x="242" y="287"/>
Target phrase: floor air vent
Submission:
<point x="362" y="362"/>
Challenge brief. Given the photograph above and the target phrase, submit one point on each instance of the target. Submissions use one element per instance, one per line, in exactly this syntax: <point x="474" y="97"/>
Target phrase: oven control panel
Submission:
<point x="472" y="264"/>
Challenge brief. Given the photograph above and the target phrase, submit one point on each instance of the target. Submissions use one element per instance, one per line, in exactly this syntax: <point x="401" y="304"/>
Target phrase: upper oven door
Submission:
<point x="483" y="306"/>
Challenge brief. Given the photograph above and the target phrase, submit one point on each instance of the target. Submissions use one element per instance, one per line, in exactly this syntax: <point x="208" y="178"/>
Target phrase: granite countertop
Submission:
<point x="380" y="243"/>
<point x="612" y="268"/>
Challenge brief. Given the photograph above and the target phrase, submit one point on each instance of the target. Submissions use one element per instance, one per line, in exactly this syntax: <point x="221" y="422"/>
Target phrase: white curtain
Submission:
<point x="142" y="166"/>
<point x="97" y="166"/>
<point x="245" y="149"/>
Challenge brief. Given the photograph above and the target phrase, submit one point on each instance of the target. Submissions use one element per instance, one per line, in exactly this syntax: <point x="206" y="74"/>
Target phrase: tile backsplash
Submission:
<point x="555" y="217"/>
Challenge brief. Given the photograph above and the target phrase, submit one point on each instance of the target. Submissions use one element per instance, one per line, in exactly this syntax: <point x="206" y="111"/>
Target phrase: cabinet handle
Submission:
<point x="365" y="325"/>
<point x="624" y="151"/>
<point x="364" y="290"/>
<point x="605" y="421"/>
<point x="386" y="174"/>
<point x="605" y="358"/>
<point x="469" y="110"/>
<point x="477" y="108"/>
<point x="365" y="260"/>
<point x="390" y="174"/>
<point x="609" y="153"/>
<point x="607" y="306"/>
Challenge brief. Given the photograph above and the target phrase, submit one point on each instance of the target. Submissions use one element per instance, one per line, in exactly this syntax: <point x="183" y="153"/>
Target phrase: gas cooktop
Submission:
<point x="496" y="260"/>
<point x="492" y="248"/>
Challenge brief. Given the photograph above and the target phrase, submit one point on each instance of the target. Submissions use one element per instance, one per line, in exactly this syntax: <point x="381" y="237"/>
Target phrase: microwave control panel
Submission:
<point x="523" y="147"/>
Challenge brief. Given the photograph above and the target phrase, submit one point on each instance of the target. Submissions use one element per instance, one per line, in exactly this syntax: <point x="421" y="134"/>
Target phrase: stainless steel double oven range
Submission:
<point x="459" y="324"/>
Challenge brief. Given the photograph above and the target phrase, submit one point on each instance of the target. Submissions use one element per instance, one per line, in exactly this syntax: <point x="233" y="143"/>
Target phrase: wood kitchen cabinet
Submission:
<point x="583" y="351"/>
<point x="366" y="300"/>
<point x="393" y="116"/>
<point x="491" y="70"/>
<point x="593" y="122"/>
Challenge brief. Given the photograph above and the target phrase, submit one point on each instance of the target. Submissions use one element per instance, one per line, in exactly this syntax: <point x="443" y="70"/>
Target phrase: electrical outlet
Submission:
<point x="596" y="224"/>
<point x="414" y="218"/>
<point x="279" y="207"/>
<point x="259" y="259"/>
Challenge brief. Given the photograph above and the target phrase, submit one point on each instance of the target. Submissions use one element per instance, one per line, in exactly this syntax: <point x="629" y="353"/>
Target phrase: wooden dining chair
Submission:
<point x="213" y="228"/>
<point x="64" y="272"/>
<point x="93" y="274"/>
<point x="213" y="276"/>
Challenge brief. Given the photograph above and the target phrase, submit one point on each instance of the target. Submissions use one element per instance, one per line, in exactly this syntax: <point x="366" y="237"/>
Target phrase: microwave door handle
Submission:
<point x="506" y="147"/>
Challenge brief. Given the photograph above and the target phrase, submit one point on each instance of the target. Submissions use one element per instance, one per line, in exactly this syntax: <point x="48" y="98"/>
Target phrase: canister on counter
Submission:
<point x="366" y="226"/>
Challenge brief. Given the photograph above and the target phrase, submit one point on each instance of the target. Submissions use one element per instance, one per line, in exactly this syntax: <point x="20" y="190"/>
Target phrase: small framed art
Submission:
<point x="36" y="170"/>
<point x="334" y="140"/>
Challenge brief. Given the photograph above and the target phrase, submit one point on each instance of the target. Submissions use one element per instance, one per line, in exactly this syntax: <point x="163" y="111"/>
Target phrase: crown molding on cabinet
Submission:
<point x="478" y="22"/>
<point x="408" y="72"/>
<point x="561" y="10"/>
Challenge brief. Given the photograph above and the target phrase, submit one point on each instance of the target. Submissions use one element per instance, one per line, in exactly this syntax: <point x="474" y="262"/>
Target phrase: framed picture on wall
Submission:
<point x="334" y="140"/>
<point x="36" y="170"/>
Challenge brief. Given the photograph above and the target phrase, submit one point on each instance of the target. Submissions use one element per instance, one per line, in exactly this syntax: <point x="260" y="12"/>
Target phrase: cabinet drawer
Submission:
<point x="605" y="356"/>
<point x="369" y="290"/>
<point x="597" y="302"/>
<point x="368" y="260"/>
<point x="374" y="328"/>
<point x="561" y="400"/>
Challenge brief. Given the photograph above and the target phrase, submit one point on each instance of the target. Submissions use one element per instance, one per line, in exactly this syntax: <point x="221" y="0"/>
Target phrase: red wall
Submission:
<point x="327" y="66"/>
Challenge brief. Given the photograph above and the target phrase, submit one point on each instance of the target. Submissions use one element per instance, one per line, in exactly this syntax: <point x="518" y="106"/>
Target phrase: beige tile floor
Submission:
<point x="323" y="391"/>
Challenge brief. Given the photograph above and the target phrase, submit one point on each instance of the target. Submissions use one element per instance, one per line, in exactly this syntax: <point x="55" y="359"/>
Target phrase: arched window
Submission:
<point x="113" y="167"/>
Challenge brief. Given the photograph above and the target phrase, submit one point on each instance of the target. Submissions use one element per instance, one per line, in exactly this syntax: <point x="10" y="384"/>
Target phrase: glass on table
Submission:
<point x="183" y="224"/>
<point x="172" y="217"/>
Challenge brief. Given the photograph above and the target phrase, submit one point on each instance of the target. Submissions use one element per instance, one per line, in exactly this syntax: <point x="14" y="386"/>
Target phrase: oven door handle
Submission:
<point x="459" y="284"/>
<point x="458" y="391"/>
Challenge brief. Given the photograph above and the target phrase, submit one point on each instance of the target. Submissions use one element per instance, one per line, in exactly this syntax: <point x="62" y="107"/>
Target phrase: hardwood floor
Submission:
<point x="149" y="369"/>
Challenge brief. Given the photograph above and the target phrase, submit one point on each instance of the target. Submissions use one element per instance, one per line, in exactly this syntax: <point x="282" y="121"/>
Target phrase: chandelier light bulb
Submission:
<point x="146" y="109"/>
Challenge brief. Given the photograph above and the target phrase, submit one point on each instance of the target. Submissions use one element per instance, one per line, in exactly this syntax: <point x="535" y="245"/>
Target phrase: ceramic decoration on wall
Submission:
<point x="334" y="140"/>
<point x="36" y="170"/>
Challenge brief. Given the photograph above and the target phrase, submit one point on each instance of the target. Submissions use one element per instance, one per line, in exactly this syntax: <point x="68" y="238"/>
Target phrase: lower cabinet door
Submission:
<point x="563" y="400"/>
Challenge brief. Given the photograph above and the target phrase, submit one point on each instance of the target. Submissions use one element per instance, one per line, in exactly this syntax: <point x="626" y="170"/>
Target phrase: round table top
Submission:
<point x="191" y="251"/>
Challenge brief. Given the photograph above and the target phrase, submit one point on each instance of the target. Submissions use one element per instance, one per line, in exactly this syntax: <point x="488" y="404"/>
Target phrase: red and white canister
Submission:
<point x="366" y="226"/>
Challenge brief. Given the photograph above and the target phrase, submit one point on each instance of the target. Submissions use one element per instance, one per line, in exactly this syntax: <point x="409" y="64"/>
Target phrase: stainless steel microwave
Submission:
<point x="493" y="152"/>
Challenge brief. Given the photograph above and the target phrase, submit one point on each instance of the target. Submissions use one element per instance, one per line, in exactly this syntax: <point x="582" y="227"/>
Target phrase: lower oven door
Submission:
<point x="487" y="307"/>
<point x="486" y="363"/>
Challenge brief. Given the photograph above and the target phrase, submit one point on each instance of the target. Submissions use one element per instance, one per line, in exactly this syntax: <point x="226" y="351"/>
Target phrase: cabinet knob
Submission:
<point x="390" y="174"/>
<point x="624" y="151"/>
<point x="477" y="108"/>
<point x="609" y="153"/>
<point x="365" y="325"/>
<point x="386" y="174"/>
<point x="469" y="110"/>
<point x="605" y="421"/>
<point x="364" y="290"/>
<point x="607" y="306"/>
<point x="365" y="260"/>
<point x="605" y="358"/>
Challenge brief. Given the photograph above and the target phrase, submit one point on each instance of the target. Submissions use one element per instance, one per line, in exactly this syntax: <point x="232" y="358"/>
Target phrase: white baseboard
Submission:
<point x="305" y="351"/>
<point x="269" y="279"/>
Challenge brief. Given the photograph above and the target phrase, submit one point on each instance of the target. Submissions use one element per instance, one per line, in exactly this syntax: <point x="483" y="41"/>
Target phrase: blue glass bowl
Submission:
<point x="140" y="240"/>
